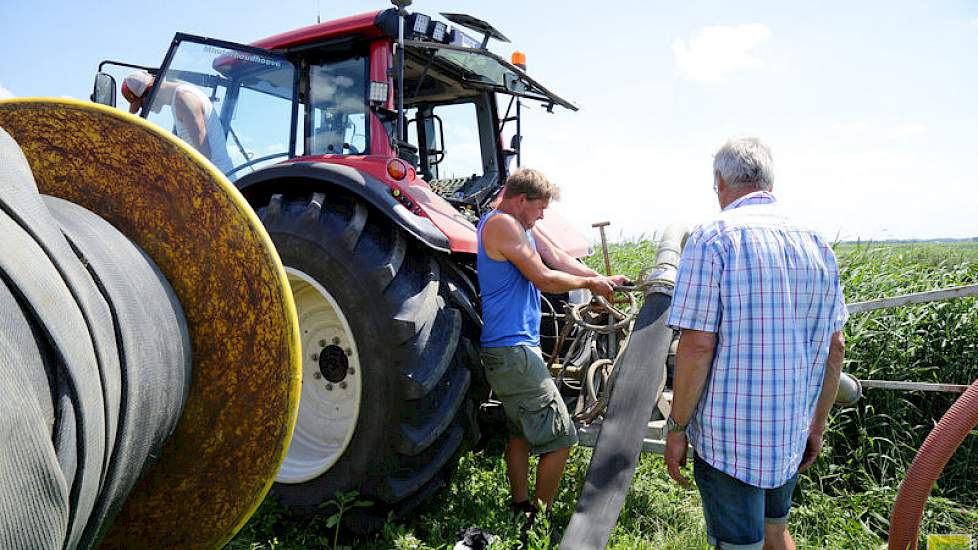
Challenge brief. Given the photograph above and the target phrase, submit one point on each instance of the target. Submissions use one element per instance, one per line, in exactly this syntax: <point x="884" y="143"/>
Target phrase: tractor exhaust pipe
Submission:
<point x="401" y="16"/>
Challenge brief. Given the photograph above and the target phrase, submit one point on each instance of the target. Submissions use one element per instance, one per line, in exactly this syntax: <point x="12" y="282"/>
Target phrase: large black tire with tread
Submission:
<point x="415" y="324"/>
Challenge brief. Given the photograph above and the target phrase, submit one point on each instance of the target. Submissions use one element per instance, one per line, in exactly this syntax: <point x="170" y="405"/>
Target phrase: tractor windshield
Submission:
<point x="233" y="104"/>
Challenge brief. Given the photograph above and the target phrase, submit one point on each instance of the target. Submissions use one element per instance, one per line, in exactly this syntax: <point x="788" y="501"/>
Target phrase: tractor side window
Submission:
<point x="453" y="150"/>
<point x="338" y="93"/>
<point x="411" y="125"/>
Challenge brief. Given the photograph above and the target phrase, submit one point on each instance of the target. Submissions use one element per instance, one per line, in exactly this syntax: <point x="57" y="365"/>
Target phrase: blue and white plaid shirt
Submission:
<point x="770" y="291"/>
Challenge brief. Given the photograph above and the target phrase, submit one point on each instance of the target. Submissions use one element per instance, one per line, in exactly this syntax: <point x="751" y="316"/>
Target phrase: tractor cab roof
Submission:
<point x="364" y="25"/>
<point x="442" y="64"/>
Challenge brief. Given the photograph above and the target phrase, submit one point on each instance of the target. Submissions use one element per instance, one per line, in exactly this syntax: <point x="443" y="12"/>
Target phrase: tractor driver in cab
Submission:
<point x="195" y="119"/>
<point x="516" y="262"/>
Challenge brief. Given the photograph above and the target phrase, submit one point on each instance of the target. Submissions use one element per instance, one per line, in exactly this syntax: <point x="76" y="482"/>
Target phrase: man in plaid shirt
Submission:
<point x="761" y="311"/>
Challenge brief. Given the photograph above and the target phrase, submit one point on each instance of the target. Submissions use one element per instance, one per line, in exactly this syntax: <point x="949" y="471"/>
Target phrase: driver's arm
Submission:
<point x="504" y="236"/>
<point x="190" y="113"/>
<point x="557" y="258"/>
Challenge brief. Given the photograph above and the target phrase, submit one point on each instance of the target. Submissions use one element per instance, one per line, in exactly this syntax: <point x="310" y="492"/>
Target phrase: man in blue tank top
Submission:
<point x="515" y="263"/>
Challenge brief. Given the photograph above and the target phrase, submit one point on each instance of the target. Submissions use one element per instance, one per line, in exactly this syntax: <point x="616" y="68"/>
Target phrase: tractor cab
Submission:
<point x="356" y="92"/>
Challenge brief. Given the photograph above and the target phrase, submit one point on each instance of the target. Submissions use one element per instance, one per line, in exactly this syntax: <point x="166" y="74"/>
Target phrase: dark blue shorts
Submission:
<point x="735" y="511"/>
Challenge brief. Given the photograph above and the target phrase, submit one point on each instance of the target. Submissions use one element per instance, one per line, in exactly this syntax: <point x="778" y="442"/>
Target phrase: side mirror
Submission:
<point x="514" y="83"/>
<point x="513" y="151"/>
<point x="436" y="149"/>
<point x="104" y="90"/>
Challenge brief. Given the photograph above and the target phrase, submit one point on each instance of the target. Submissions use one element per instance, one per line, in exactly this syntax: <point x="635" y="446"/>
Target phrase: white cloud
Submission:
<point x="715" y="52"/>
<point x="5" y="93"/>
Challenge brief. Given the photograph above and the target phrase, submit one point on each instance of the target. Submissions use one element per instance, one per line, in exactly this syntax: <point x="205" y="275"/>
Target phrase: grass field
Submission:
<point x="843" y="502"/>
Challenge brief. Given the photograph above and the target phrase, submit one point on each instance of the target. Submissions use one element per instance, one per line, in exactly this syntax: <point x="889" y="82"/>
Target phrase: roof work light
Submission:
<point x="437" y="31"/>
<point x="378" y="91"/>
<point x="417" y="24"/>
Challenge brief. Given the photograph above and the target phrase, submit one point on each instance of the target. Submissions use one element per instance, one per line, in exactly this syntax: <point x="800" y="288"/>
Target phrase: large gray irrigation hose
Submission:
<point x="118" y="336"/>
<point x="95" y="357"/>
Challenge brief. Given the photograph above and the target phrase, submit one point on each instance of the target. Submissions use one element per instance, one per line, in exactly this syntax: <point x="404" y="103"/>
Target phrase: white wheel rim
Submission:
<point x="328" y="411"/>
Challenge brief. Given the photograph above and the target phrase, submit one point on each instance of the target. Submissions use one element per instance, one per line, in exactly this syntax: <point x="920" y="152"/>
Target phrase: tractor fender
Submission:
<point x="259" y="186"/>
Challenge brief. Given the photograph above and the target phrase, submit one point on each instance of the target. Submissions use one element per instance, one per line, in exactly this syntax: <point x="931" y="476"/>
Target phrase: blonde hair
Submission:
<point x="532" y="183"/>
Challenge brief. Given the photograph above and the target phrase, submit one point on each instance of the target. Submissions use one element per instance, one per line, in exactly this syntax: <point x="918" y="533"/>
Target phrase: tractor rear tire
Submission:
<point x="387" y="356"/>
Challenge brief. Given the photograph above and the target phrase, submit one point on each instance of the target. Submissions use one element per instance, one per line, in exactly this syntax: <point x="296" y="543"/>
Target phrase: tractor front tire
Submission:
<point x="387" y="358"/>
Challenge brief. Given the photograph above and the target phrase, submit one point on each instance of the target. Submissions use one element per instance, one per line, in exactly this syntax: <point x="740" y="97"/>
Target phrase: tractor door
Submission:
<point x="240" y="96"/>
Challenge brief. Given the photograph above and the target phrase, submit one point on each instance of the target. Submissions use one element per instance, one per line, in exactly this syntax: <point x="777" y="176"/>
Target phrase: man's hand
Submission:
<point x="675" y="455"/>
<point x="812" y="449"/>
<point x="600" y="285"/>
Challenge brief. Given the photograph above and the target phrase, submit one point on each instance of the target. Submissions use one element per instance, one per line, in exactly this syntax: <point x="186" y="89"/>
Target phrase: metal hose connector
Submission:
<point x="850" y="390"/>
<point x="662" y="276"/>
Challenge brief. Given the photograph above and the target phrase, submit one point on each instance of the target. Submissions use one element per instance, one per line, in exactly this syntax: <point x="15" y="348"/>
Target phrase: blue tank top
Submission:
<point x="510" y="302"/>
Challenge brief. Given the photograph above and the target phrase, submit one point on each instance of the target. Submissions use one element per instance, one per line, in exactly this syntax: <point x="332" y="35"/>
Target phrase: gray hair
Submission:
<point x="745" y="163"/>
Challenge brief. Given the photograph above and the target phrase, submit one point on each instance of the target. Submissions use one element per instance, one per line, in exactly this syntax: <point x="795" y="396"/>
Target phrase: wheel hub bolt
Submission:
<point x="349" y="352"/>
<point x="317" y="375"/>
<point x="350" y="371"/>
<point x="322" y="343"/>
<point x="342" y="385"/>
<point x="336" y="341"/>
<point x="329" y="387"/>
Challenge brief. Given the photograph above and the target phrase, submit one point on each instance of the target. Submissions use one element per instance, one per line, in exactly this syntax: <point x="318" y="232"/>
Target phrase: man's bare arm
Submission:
<point x="504" y="236"/>
<point x="830" y="387"/>
<point x="190" y="112"/>
<point x="557" y="258"/>
<point x="830" y="382"/>
<point x="694" y="358"/>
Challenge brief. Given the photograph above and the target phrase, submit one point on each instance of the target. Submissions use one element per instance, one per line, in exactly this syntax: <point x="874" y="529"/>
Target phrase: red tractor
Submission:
<point x="369" y="146"/>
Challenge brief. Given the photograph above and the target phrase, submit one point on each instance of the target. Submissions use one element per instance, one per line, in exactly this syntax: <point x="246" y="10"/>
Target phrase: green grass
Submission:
<point x="843" y="502"/>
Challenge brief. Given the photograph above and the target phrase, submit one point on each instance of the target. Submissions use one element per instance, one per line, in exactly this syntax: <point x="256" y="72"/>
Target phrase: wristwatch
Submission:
<point x="674" y="427"/>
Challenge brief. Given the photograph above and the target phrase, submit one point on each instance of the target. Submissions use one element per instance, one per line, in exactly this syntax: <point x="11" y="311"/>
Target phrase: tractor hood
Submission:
<point x="560" y="232"/>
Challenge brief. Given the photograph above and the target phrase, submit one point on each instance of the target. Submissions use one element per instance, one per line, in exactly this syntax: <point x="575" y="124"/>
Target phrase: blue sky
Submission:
<point x="869" y="107"/>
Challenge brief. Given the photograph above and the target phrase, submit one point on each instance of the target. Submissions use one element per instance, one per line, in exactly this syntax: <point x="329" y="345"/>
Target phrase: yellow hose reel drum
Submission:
<point x="166" y="197"/>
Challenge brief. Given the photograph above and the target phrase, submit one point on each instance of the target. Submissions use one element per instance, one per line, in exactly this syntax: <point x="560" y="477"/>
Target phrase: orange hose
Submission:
<point x="937" y="449"/>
